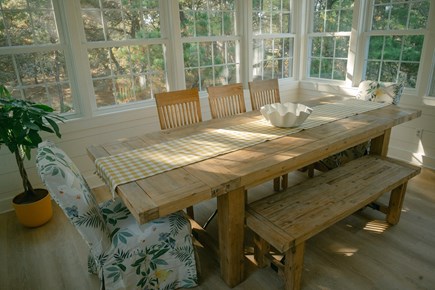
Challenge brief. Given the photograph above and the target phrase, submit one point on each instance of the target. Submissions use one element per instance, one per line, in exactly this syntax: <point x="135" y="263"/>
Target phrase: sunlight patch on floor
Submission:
<point x="377" y="226"/>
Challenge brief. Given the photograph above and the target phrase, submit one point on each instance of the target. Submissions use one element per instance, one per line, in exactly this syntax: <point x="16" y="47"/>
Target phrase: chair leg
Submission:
<point x="311" y="170"/>
<point x="276" y="183"/>
<point x="209" y="219"/>
<point x="284" y="181"/>
<point x="190" y="213"/>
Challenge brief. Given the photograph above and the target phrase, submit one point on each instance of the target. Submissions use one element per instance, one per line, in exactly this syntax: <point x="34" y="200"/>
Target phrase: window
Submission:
<point x="396" y="40"/>
<point x="329" y="38"/>
<point x="126" y="54"/>
<point x="32" y="58"/>
<point x="272" y="39"/>
<point x="210" y="42"/>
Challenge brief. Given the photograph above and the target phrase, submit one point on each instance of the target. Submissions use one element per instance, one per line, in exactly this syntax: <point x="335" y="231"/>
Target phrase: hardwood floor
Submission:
<point x="360" y="252"/>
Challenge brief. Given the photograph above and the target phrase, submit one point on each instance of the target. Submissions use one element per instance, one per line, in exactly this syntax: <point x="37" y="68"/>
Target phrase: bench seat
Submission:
<point x="287" y="219"/>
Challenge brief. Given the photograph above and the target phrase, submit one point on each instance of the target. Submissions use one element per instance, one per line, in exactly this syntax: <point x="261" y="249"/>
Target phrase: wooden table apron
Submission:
<point x="227" y="176"/>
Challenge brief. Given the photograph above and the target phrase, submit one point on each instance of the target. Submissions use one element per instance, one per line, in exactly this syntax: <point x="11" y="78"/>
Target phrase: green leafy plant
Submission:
<point x="21" y="122"/>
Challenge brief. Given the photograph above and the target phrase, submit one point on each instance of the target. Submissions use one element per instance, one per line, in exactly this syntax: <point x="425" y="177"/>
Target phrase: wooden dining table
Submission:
<point x="226" y="176"/>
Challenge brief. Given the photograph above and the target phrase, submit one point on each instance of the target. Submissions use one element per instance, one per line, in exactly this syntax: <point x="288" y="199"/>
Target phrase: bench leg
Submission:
<point x="261" y="248"/>
<point x="294" y="262"/>
<point x="280" y="183"/>
<point x="284" y="181"/>
<point x="396" y="202"/>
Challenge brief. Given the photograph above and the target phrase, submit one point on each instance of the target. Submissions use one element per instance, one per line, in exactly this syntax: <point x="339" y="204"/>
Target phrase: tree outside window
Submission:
<point x="126" y="53"/>
<point x="32" y="58"/>
<point x="272" y="39"/>
<point x="210" y="43"/>
<point x="396" y="40"/>
<point x="329" y="38"/>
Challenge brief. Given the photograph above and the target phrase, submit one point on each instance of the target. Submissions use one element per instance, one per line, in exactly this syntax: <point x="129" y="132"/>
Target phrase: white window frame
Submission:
<point x="351" y="54"/>
<point x="405" y="32"/>
<point x="271" y="36"/>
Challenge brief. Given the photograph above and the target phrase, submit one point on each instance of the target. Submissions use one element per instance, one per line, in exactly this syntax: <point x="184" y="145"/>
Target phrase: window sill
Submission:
<point x="430" y="101"/>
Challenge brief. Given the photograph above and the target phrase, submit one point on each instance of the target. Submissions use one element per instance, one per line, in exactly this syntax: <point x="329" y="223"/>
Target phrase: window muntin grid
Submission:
<point x="210" y="42"/>
<point x="32" y="60"/>
<point x="133" y="69"/>
<point x="272" y="39"/>
<point x="330" y="38"/>
<point x="395" y="40"/>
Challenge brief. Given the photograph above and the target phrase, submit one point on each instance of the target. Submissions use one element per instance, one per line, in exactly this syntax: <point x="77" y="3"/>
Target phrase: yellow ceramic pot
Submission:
<point x="36" y="213"/>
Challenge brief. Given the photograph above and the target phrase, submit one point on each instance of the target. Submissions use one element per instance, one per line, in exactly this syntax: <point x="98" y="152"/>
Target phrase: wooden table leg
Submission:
<point x="231" y="217"/>
<point x="379" y="145"/>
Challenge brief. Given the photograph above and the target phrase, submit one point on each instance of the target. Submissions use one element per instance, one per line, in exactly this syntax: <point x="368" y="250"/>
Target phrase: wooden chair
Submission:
<point x="176" y="109"/>
<point x="227" y="100"/>
<point x="118" y="245"/>
<point x="264" y="92"/>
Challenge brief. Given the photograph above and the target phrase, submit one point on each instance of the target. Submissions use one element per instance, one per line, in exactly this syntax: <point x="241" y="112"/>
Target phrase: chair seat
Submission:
<point x="160" y="250"/>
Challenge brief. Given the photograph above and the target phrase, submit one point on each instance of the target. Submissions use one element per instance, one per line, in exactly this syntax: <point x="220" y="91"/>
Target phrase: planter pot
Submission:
<point x="36" y="213"/>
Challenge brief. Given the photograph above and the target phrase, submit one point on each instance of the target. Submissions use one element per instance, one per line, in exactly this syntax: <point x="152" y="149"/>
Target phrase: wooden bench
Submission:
<point x="287" y="219"/>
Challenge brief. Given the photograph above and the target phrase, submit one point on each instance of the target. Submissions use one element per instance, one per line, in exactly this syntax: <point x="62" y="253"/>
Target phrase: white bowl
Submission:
<point x="286" y="115"/>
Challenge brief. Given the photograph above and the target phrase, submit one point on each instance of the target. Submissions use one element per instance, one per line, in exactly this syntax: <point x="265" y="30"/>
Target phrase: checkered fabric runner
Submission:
<point x="141" y="163"/>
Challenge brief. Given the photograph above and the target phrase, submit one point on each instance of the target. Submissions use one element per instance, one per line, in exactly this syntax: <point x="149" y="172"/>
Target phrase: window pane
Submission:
<point x="212" y="58"/>
<point x="127" y="73"/>
<point x="271" y="17"/>
<point x="210" y="62"/>
<point x="120" y="20"/>
<point x="340" y="69"/>
<point x="328" y="53"/>
<point x="401" y="54"/>
<point x="206" y="18"/>
<point x="400" y="15"/>
<point x="419" y="15"/>
<point x="315" y="68"/>
<point x="24" y="24"/>
<point x="272" y="58"/>
<point x="40" y="74"/>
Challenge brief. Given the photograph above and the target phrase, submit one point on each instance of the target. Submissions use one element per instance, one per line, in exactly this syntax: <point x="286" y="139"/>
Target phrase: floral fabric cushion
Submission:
<point x="124" y="254"/>
<point x="380" y="92"/>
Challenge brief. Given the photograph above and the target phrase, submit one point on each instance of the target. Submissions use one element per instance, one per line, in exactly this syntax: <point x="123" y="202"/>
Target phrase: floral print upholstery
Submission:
<point x="380" y="92"/>
<point x="367" y="91"/>
<point x="124" y="254"/>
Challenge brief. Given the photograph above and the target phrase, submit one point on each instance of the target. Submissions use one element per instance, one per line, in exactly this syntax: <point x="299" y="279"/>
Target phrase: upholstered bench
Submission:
<point x="287" y="219"/>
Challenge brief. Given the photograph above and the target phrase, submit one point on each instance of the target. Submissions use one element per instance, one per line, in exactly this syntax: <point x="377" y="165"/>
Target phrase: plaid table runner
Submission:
<point x="144" y="162"/>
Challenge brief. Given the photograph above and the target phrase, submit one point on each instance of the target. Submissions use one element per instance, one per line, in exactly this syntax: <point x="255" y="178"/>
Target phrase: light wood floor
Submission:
<point x="360" y="252"/>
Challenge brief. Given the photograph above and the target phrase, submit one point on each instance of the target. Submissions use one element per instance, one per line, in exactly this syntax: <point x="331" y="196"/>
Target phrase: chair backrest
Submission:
<point x="226" y="100"/>
<point x="263" y="92"/>
<point x="70" y="191"/>
<point x="178" y="108"/>
<point x="380" y="92"/>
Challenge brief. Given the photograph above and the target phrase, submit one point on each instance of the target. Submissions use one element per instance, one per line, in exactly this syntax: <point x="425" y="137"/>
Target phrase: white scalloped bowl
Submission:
<point x="286" y="115"/>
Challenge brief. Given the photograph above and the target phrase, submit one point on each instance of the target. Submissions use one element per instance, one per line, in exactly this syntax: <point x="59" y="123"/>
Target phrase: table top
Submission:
<point x="167" y="192"/>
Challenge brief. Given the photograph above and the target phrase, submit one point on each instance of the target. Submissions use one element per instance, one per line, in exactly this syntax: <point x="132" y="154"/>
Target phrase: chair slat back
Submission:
<point x="263" y="92"/>
<point x="227" y="100"/>
<point x="178" y="108"/>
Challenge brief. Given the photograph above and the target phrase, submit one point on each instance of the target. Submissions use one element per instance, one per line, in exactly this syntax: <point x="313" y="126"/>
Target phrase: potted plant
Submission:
<point x="21" y="122"/>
